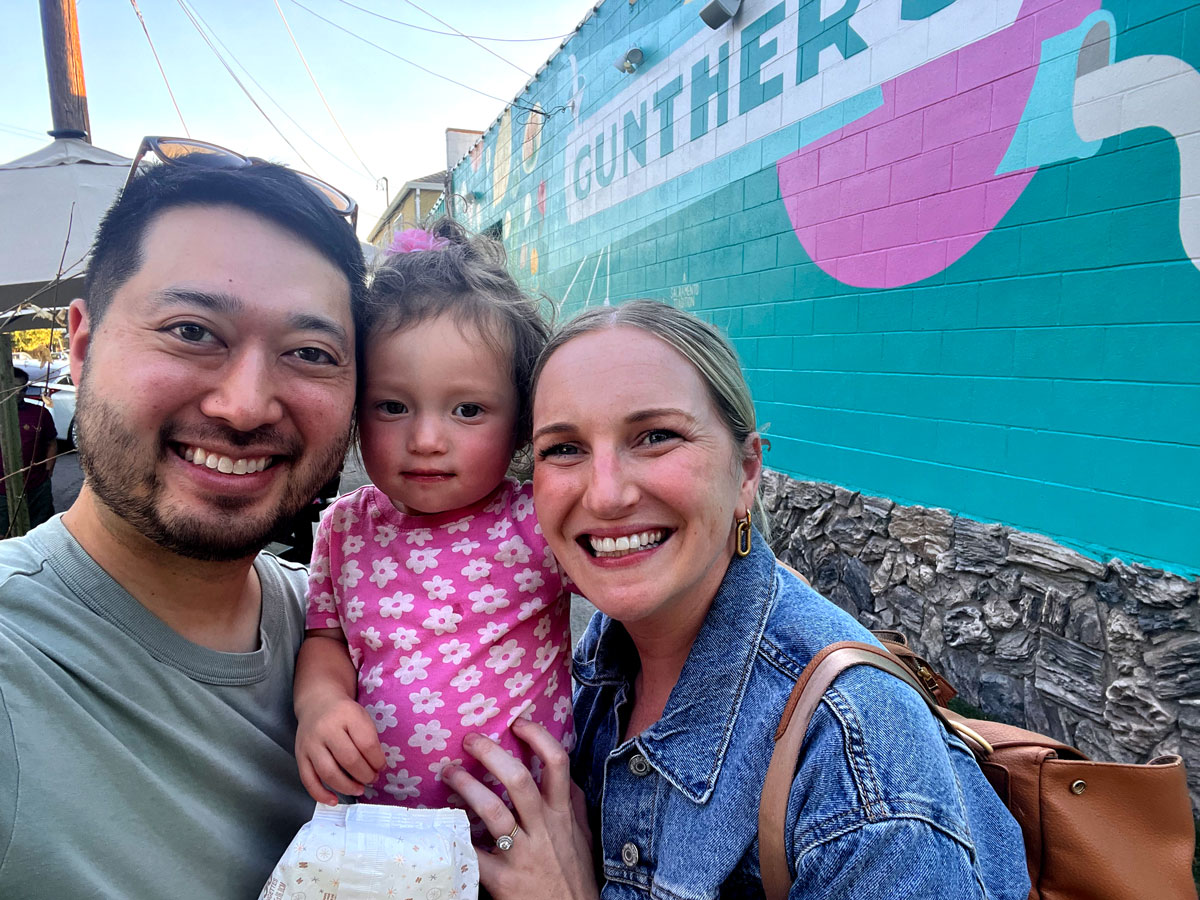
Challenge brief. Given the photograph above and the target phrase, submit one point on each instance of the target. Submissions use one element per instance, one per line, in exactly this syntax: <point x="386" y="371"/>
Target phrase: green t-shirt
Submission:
<point x="134" y="763"/>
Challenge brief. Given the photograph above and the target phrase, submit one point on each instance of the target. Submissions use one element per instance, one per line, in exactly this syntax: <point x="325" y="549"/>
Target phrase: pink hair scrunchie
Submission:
<point x="415" y="240"/>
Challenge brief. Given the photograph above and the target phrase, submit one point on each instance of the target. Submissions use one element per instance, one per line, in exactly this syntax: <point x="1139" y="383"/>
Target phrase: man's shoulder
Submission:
<point x="281" y="575"/>
<point x="28" y="555"/>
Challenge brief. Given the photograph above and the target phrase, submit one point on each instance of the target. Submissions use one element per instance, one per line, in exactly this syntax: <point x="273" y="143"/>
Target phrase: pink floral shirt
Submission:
<point x="456" y="622"/>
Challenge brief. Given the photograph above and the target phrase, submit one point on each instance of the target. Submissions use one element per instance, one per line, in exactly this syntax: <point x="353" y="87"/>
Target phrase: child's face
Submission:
<point x="438" y="416"/>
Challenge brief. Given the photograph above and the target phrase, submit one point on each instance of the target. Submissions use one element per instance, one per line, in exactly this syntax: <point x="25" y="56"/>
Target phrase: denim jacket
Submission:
<point x="884" y="803"/>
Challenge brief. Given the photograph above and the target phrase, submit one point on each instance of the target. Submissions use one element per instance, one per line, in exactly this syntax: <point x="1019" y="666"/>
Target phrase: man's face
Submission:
<point x="216" y="393"/>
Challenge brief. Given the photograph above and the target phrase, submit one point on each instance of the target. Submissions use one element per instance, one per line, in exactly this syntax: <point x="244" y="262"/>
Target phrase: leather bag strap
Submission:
<point x="814" y="681"/>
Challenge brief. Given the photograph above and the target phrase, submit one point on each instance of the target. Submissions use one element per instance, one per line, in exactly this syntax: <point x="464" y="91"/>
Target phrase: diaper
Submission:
<point x="363" y="851"/>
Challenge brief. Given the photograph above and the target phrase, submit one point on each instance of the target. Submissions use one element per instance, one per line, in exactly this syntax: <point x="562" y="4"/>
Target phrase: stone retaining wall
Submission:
<point x="1104" y="656"/>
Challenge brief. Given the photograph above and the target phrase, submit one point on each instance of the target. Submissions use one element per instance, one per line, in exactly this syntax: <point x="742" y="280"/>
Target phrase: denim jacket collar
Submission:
<point x="687" y="744"/>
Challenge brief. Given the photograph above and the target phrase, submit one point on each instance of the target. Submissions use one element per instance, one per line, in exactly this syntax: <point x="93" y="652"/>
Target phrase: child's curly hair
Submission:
<point x="465" y="277"/>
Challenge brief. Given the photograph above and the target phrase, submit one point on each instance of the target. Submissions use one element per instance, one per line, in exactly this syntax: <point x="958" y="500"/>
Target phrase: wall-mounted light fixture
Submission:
<point x="716" y="13"/>
<point x="631" y="60"/>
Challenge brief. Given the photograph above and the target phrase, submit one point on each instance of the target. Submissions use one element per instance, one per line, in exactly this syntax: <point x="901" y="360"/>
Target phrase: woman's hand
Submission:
<point x="551" y="853"/>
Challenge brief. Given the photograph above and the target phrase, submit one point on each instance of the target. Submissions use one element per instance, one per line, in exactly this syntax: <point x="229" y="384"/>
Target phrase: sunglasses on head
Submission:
<point x="187" y="152"/>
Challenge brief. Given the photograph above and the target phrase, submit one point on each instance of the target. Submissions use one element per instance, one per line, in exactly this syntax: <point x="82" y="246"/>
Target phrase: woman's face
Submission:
<point x="637" y="480"/>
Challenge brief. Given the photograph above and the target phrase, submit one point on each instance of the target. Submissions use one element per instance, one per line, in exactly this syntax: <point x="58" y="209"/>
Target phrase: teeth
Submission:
<point x="612" y="547"/>
<point x="227" y="465"/>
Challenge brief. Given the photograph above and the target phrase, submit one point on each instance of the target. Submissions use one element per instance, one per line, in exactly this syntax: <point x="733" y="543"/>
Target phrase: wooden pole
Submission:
<point x="10" y="444"/>
<point x="64" y="70"/>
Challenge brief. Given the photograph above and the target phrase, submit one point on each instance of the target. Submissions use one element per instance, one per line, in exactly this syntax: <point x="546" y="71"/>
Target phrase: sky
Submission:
<point x="392" y="114"/>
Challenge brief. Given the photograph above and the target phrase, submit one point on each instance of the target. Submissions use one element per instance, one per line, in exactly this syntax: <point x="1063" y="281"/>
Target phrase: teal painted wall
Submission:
<point x="959" y="261"/>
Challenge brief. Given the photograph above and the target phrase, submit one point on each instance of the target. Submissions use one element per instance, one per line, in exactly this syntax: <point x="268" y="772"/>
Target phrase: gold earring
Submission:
<point x="743" y="535"/>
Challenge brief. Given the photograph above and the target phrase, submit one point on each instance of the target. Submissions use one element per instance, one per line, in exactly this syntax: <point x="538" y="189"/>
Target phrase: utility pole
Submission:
<point x="64" y="70"/>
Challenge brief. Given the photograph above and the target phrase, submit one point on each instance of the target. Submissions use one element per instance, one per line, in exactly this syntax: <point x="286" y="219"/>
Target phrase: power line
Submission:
<point x="320" y="93"/>
<point x="268" y="95"/>
<point x="456" y="32"/>
<point x="195" y="24"/>
<point x="469" y="38"/>
<point x="398" y="56"/>
<point x="22" y="130"/>
<point x="161" y="70"/>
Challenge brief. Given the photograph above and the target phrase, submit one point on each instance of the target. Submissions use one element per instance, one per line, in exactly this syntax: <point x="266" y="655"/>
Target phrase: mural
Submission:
<point x="956" y="242"/>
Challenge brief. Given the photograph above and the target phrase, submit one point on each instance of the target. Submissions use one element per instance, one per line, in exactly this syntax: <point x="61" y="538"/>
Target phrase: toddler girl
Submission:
<point x="433" y="598"/>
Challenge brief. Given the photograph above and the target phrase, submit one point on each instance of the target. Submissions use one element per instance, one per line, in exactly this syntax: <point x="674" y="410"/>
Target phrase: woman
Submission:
<point x="646" y="471"/>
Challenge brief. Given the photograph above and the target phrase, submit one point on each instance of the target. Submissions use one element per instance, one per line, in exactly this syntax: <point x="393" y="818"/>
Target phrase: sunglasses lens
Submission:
<point x="332" y="195"/>
<point x="199" y="152"/>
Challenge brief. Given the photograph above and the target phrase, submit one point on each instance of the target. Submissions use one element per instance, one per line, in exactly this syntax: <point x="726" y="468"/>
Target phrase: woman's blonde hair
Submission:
<point x="696" y="341"/>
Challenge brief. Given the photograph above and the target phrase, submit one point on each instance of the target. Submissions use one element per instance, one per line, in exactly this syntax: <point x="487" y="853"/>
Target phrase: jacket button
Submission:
<point x="638" y="765"/>
<point x="629" y="854"/>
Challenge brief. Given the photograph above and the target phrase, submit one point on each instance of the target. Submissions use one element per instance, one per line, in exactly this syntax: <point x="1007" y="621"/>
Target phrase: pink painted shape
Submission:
<point x="901" y="193"/>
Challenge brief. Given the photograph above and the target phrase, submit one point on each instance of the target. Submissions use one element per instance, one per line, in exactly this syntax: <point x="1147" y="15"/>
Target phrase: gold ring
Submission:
<point x="505" y="841"/>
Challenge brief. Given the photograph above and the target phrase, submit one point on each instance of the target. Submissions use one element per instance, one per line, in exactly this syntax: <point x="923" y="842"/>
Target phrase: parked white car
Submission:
<point x="59" y="398"/>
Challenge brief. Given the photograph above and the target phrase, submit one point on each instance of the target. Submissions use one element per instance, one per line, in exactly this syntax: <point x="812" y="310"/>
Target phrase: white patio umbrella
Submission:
<point x="63" y="189"/>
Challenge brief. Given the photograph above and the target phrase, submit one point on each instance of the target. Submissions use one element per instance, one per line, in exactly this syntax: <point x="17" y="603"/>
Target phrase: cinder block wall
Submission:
<point x="956" y="242"/>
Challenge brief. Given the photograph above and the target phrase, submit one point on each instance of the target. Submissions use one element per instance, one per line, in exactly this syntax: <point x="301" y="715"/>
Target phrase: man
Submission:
<point x="38" y="448"/>
<point x="146" y="645"/>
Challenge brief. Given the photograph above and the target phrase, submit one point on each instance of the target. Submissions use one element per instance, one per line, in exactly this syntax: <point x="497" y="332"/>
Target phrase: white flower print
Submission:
<point x="518" y="684"/>
<point x="568" y="740"/>
<point x="438" y="588"/>
<point x="371" y="637"/>
<point x="465" y="546"/>
<point x="535" y="769"/>
<point x="499" y="530"/>
<point x="369" y="793"/>
<point x="532" y="608"/>
<point x="413" y="667"/>
<point x="404" y="638"/>
<point x="522" y="507"/>
<point x="488" y="599"/>
<point x="318" y="572"/>
<point x="437" y="767"/>
<point x="513" y="552"/>
<point x="383" y="714"/>
<point x="523" y="710"/>
<point x="442" y="620"/>
<point x="350" y="575"/>
<point x="454" y="651"/>
<point x="551" y="683"/>
<point x="391" y="755"/>
<point x="529" y="580"/>
<point x="477" y="568"/>
<point x="383" y="571"/>
<point x="478" y="710"/>
<point x="352" y="544"/>
<point x="498" y="504"/>
<point x="429" y="736"/>
<point x="505" y="656"/>
<point x="371" y="679"/>
<point x="331" y="622"/>
<point x="466" y="679"/>
<point x="543" y="628"/>
<point x="562" y="709"/>
<point x="354" y="609"/>
<point x="395" y="606"/>
<point x="549" y="563"/>
<point x="324" y="602"/>
<point x="343" y="519"/>
<point x="426" y="701"/>
<point x="356" y="657"/>
<point x="420" y="560"/>
<point x="419" y="536"/>
<point x="546" y="655"/>
<point x="401" y="786"/>
<point x="385" y="534"/>
<point x="458" y="525"/>
<point x="492" y="631"/>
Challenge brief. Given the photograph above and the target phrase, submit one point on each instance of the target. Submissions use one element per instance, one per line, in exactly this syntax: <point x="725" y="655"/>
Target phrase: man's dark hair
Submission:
<point x="20" y="377"/>
<point x="271" y="191"/>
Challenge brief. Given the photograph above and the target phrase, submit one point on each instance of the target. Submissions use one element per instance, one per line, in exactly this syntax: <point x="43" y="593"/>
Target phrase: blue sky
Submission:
<point x="393" y="114"/>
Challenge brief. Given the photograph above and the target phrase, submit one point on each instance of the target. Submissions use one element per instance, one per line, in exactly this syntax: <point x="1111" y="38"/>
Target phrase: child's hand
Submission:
<point x="337" y="747"/>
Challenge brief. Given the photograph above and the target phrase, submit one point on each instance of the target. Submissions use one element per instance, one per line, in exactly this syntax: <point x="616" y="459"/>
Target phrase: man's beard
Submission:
<point x="122" y="470"/>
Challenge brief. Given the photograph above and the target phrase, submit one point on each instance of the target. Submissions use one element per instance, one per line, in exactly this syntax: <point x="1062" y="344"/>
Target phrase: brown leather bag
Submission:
<point x="1093" y="830"/>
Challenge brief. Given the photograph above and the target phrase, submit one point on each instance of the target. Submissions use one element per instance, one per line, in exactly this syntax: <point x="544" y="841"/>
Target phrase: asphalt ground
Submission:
<point x="68" y="477"/>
